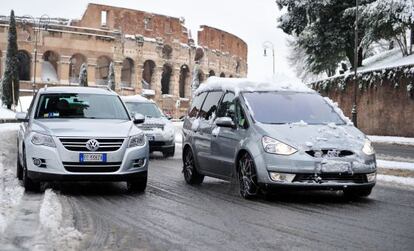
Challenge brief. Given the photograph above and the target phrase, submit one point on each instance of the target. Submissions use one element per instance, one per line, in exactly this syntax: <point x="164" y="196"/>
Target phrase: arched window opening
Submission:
<point x="165" y="79"/>
<point x="211" y="73"/>
<point x="75" y="64"/>
<point x="183" y="81"/>
<point x="102" y="70"/>
<point x="147" y="74"/>
<point x="24" y="65"/>
<point x="50" y="67"/>
<point x="127" y="72"/>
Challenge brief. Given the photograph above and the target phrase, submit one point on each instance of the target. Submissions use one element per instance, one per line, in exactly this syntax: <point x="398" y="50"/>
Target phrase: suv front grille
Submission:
<point x="333" y="177"/>
<point x="92" y="167"/>
<point x="325" y="153"/>
<point x="79" y="144"/>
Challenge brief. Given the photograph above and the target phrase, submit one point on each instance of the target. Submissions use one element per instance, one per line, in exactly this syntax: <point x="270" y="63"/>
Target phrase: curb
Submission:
<point x="3" y="121"/>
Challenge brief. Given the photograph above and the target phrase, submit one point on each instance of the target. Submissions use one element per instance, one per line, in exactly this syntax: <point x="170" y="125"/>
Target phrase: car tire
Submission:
<point x="249" y="188"/>
<point x="168" y="153"/>
<point x="28" y="184"/>
<point x="19" y="167"/>
<point x="191" y="175"/>
<point x="137" y="185"/>
<point x="357" y="192"/>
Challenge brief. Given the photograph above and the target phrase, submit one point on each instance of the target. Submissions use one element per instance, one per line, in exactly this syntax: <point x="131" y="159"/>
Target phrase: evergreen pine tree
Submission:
<point x="10" y="82"/>
<point x="83" y="75"/>
<point x="111" y="77"/>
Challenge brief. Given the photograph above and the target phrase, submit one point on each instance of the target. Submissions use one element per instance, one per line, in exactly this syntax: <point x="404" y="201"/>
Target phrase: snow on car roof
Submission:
<point x="238" y="85"/>
<point x="77" y="89"/>
<point x="135" y="98"/>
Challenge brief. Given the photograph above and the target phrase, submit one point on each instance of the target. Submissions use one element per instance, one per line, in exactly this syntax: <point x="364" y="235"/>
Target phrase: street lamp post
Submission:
<point x="269" y="45"/>
<point x="43" y="20"/>
<point x="354" y="106"/>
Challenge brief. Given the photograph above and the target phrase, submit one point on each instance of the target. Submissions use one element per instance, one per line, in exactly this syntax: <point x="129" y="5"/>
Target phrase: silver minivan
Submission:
<point x="273" y="137"/>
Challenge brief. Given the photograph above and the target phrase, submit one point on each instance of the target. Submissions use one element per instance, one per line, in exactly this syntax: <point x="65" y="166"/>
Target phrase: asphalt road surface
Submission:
<point x="393" y="151"/>
<point x="172" y="215"/>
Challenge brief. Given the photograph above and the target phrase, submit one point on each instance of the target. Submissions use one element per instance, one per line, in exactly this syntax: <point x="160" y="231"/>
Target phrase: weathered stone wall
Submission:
<point x="385" y="99"/>
<point x="127" y="42"/>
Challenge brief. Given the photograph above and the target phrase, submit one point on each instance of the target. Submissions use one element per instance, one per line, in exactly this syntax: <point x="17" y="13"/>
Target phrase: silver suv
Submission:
<point x="273" y="137"/>
<point x="157" y="127"/>
<point x="80" y="134"/>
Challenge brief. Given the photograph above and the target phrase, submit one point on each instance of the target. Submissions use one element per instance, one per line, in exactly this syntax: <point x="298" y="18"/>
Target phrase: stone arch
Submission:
<point x="201" y="76"/>
<point x="222" y="75"/>
<point x="127" y="72"/>
<point x="199" y="54"/>
<point x="50" y="67"/>
<point x="75" y="63"/>
<point x="184" y="80"/>
<point x="211" y="73"/>
<point x="24" y="65"/>
<point x="102" y="70"/>
<point x="147" y="74"/>
<point x="167" y="51"/>
<point x="230" y="76"/>
<point x="166" y="78"/>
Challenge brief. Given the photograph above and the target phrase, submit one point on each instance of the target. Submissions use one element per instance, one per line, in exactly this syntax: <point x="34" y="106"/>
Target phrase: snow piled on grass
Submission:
<point x="391" y="140"/>
<point x="386" y="164"/>
<point x="407" y="181"/>
<point x="63" y="238"/>
<point x="10" y="190"/>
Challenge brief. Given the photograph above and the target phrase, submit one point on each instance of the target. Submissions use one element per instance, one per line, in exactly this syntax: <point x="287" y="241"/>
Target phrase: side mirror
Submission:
<point x="22" y="117"/>
<point x="138" y="118"/>
<point x="225" y="122"/>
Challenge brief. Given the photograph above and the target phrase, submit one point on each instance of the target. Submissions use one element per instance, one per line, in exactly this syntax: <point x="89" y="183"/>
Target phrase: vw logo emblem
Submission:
<point x="92" y="145"/>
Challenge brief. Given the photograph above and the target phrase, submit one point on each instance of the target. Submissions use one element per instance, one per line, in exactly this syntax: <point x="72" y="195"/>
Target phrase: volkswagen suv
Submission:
<point x="80" y="134"/>
<point x="272" y="136"/>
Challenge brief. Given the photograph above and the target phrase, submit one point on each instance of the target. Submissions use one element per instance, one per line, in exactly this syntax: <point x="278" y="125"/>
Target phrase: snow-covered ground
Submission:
<point x="392" y="140"/>
<point x="386" y="164"/>
<point x="386" y="59"/>
<point x="23" y="106"/>
<point x="406" y="181"/>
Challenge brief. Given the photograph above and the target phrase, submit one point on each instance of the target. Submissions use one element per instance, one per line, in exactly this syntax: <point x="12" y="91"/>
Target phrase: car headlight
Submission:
<point x="137" y="140"/>
<point x="274" y="146"/>
<point x="42" y="139"/>
<point x="368" y="149"/>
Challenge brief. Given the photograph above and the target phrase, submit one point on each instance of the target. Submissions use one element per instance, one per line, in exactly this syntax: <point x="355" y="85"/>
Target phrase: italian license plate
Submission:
<point x="92" y="157"/>
<point x="150" y="137"/>
<point x="335" y="167"/>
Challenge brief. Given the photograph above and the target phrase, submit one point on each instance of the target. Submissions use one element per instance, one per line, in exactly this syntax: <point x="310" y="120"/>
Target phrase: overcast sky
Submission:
<point x="252" y="20"/>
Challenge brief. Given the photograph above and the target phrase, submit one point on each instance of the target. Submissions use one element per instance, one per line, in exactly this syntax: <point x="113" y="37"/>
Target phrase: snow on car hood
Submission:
<point x="305" y="137"/>
<point x="85" y="127"/>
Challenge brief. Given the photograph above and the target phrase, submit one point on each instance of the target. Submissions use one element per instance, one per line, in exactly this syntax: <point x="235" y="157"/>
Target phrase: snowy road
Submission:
<point x="172" y="215"/>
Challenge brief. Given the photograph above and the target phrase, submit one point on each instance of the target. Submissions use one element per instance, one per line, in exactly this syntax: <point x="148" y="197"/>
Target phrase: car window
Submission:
<point x="241" y="116"/>
<point x="147" y="109"/>
<point x="92" y="106"/>
<point x="209" y="108"/>
<point x="227" y="106"/>
<point x="196" y="105"/>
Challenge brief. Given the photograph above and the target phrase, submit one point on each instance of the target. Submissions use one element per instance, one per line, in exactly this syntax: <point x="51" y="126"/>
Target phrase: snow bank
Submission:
<point x="386" y="164"/>
<point x="407" y="181"/>
<point x="6" y="113"/>
<point x="391" y="140"/>
<point x="10" y="190"/>
<point x="51" y="217"/>
<point x="237" y="85"/>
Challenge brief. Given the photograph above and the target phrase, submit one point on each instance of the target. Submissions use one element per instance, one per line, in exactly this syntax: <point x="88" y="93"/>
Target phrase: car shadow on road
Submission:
<point x="91" y="188"/>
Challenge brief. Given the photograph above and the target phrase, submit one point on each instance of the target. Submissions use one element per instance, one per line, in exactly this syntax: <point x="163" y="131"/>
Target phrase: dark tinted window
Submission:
<point x="227" y="108"/>
<point x="90" y="106"/>
<point x="209" y="108"/>
<point x="196" y="105"/>
<point x="147" y="109"/>
<point x="290" y="107"/>
<point x="241" y="116"/>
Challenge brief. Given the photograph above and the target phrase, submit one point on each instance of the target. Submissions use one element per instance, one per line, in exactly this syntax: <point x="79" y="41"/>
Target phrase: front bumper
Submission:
<point x="62" y="164"/>
<point x="161" y="146"/>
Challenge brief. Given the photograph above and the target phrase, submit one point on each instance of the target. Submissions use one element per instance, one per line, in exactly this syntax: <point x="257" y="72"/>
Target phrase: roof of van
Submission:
<point x="136" y="98"/>
<point x="76" y="89"/>
<point x="238" y="85"/>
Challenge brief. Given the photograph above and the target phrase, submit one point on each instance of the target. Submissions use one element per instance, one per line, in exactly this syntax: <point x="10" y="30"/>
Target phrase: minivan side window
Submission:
<point x="241" y="116"/>
<point x="208" y="111"/>
<point x="196" y="105"/>
<point x="227" y="106"/>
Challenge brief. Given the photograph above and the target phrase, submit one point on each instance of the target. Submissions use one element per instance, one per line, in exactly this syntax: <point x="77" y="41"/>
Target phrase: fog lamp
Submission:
<point x="282" y="177"/>
<point x="37" y="162"/>
<point x="139" y="163"/>
<point x="371" y="177"/>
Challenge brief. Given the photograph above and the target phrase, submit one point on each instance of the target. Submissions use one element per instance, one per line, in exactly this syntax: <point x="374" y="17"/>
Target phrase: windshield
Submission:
<point x="88" y="106"/>
<point x="290" y="107"/>
<point x="147" y="109"/>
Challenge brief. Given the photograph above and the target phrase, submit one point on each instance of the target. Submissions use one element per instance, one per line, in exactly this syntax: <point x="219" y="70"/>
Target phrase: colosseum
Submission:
<point x="153" y="55"/>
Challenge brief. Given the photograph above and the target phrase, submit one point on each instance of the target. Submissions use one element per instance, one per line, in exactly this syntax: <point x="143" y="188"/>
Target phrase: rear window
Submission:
<point x="147" y="109"/>
<point x="196" y="105"/>
<point x="89" y="106"/>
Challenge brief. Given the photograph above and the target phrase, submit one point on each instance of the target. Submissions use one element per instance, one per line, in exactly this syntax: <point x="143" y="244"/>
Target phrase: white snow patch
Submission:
<point x="300" y="123"/>
<point x="386" y="164"/>
<point x="338" y="110"/>
<point x="63" y="238"/>
<point x="391" y="140"/>
<point x="237" y="85"/>
<point x="6" y="113"/>
<point x="407" y="181"/>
